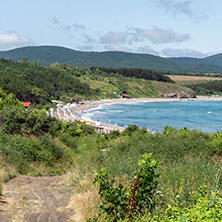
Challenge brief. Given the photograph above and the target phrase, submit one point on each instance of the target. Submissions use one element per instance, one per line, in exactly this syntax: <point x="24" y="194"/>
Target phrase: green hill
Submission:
<point x="39" y="85"/>
<point x="214" y="60"/>
<point x="207" y="65"/>
<point x="48" y="55"/>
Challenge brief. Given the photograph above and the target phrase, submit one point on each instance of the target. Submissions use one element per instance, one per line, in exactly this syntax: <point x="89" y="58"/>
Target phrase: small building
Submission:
<point x="76" y="100"/>
<point x="26" y="104"/>
<point x="125" y="96"/>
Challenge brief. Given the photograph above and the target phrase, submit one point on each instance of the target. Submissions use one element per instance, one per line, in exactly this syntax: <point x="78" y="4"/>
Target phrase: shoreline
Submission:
<point x="93" y="104"/>
<point x="74" y="109"/>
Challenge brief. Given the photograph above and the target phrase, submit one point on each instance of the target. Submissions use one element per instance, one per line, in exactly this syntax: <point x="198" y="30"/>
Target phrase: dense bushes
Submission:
<point x="207" y="88"/>
<point x="20" y="151"/>
<point x="37" y="122"/>
<point x="38" y="84"/>
<point x="27" y="137"/>
<point x="121" y="203"/>
<point x="188" y="160"/>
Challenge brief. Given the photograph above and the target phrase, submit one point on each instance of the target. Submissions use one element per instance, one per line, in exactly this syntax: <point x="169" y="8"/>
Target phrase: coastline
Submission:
<point x="93" y="104"/>
<point x="73" y="111"/>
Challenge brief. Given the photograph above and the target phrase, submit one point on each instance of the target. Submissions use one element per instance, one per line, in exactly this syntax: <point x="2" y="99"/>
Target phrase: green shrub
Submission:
<point x="114" y="134"/>
<point x="68" y="140"/>
<point x="52" y="150"/>
<point x="129" y="130"/>
<point x="204" y="205"/>
<point x="13" y="119"/>
<point x="118" y="202"/>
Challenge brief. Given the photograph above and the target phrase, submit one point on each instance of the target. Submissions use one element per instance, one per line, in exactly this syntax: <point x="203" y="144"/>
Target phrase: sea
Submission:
<point x="204" y="116"/>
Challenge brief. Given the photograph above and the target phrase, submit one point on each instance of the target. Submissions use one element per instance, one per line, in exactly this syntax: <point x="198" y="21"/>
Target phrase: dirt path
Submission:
<point x="34" y="199"/>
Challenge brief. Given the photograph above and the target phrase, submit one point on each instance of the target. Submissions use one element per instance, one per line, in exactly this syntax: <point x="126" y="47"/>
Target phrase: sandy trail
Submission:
<point x="35" y="199"/>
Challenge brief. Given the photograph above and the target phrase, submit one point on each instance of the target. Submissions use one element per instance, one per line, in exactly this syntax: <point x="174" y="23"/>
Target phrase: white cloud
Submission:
<point x="176" y="7"/>
<point x="89" y="39"/>
<point x="158" y="35"/>
<point x="169" y="52"/>
<point x="11" y="40"/>
<point x="67" y="28"/>
<point x="131" y="35"/>
<point x="113" y="38"/>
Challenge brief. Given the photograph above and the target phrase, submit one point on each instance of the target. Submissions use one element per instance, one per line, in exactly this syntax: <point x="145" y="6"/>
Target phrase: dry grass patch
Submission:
<point x="85" y="198"/>
<point x="179" y="78"/>
<point x="7" y="173"/>
<point x="85" y="205"/>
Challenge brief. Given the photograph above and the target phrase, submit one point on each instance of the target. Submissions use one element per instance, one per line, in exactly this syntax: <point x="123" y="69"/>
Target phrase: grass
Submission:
<point x="135" y="87"/>
<point x="85" y="198"/>
<point x="180" y="78"/>
<point x="187" y="161"/>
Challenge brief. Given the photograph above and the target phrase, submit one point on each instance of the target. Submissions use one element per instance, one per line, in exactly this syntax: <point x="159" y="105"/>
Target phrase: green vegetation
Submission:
<point x="190" y="172"/>
<point x="28" y="141"/>
<point x="39" y="85"/>
<point x="33" y="143"/>
<point x="48" y="55"/>
<point x="207" y="87"/>
<point x="190" y="165"/>
<point x="137" y="73"/>
<point x="119" y="202"/>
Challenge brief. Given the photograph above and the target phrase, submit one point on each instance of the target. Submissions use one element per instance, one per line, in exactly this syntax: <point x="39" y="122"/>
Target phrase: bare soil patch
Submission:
<point x="35" y="199"/>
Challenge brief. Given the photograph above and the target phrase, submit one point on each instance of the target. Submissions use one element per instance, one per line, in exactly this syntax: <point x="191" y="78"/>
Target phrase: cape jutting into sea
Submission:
<point x="204" y="116"/>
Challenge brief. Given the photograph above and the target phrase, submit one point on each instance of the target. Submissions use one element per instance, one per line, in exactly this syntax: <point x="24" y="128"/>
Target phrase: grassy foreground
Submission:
<point x="190" y="165"/>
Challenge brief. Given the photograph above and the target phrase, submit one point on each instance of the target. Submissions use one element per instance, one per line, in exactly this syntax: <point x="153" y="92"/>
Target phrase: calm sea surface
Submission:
<point x="201" y="115"/>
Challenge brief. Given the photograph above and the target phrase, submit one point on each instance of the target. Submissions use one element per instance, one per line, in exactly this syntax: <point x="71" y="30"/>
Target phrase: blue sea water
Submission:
<point x="205" y="116"/>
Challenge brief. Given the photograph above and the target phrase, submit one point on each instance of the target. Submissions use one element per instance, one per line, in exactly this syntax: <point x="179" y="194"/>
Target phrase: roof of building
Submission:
<point x="26" y="104"/>
<point x="125" y="95"/>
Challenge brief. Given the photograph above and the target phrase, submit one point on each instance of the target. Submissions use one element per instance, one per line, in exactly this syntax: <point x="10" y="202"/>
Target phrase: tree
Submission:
<point x="24" y="60"/>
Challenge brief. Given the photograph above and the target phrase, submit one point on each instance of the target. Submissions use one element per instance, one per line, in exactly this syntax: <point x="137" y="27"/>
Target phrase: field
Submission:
<point x="181" y="78"/>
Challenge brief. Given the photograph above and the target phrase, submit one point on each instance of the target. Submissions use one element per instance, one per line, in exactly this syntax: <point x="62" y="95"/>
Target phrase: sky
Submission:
<point x="167" y="28"/>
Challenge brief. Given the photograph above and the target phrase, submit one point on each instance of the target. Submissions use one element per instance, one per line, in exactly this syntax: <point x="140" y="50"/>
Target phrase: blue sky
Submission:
<point x="161" y="27"/>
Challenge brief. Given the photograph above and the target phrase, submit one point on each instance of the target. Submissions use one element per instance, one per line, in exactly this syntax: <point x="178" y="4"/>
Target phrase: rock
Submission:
<point x="181" y="95"/>
<point x="189" y="94"/>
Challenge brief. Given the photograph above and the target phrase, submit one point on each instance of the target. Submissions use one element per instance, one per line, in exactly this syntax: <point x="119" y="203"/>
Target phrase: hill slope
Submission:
<point x="48" y="55"/>
<point x="208" y="64"/>
<point x="52" y="54"/>
<point x="39" y="84"/>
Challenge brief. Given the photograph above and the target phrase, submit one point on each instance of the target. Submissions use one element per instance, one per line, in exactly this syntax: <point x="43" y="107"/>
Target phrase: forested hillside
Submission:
<point x="207" y="88"/>
<point x="52" y="54"/>
<point x="48" y="55"/>
<point x="39" y="84"/>
<point x="210" y="64"/>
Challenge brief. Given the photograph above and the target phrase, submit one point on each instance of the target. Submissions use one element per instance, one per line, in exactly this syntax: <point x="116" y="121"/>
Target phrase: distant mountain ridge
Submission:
<point x="48" y="55"/>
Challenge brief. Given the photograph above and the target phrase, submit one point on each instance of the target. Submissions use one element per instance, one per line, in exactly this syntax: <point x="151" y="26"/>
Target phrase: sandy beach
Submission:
<point x="92" y="104"/>
<point x="72" y="112"/>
